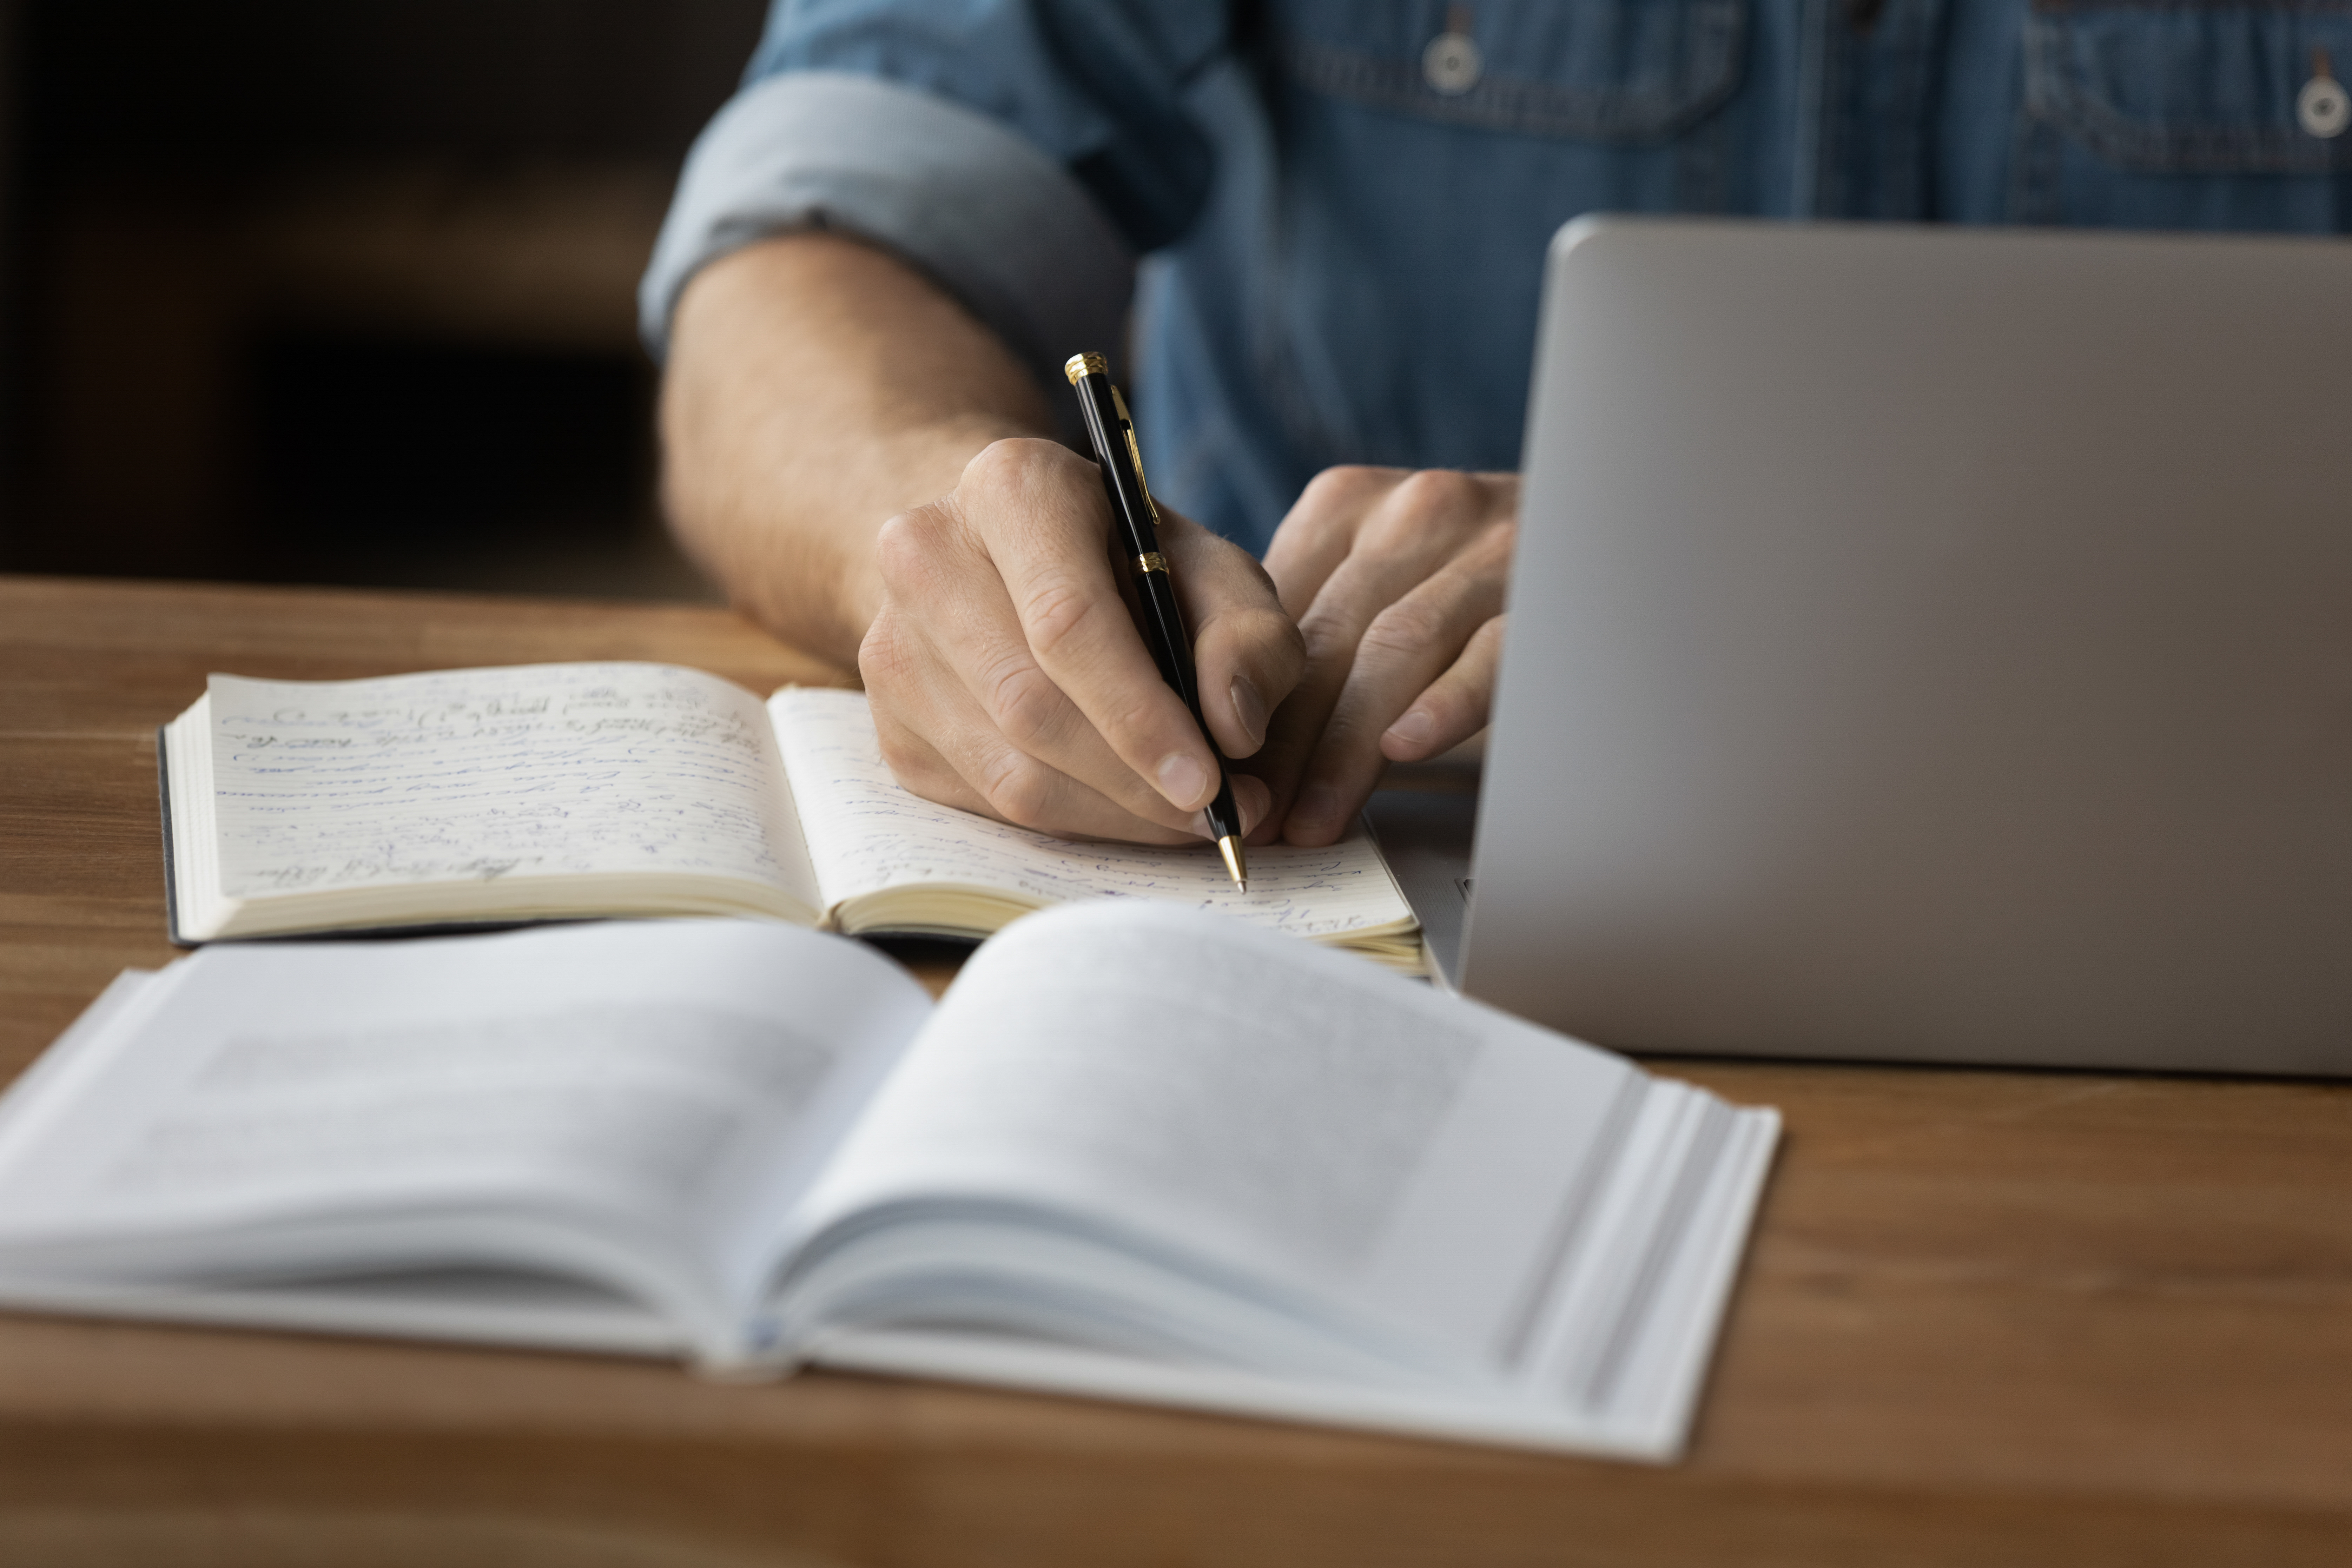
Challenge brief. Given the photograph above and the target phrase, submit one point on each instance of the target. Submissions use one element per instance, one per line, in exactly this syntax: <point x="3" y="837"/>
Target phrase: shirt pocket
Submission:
<point x="1610" y="72"/>
<point x="2186" y="114"/>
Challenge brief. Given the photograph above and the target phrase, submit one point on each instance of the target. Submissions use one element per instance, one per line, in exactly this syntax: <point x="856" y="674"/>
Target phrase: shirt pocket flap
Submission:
<point x="1596" y="70"/>
<point x="2195" y="88"/>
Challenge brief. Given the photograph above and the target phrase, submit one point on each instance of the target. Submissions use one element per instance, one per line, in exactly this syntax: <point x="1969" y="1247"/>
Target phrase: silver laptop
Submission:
<point x="1929" y="644"/>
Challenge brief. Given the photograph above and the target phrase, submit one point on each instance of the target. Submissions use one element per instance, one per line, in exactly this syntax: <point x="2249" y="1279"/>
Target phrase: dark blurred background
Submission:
<point x="341" y="290"/>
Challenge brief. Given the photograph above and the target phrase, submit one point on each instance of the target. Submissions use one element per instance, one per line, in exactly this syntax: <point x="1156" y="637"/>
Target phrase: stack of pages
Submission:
<point x="1138" y="1152"/>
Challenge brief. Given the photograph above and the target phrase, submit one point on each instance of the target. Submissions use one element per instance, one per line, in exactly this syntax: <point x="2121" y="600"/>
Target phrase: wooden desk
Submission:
<point x="1988" y="1317"/>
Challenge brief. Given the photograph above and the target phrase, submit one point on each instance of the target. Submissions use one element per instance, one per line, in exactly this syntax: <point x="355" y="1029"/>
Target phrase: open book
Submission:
<point x="1138" y="1151"/>
<point x="563" y="791"/>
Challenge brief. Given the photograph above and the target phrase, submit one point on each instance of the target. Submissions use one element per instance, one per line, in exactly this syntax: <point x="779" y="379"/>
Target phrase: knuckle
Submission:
<point x="997" y="465"/>
<point x="1010" y="466"/>
<point x="1404" y="630"/>
<point x="1440" y="495"/>
<point x="885" y="658"/>
<point x="906" y="546"/>
<point x="1329" y="533"/>
<point x="1339" y="483"/>
<point x="1023" y="704"/>
<point x="1019" y="791"/>
<point x="1325" y="638"/>
<point x="1335" y="498"/>
<point x="1056" y="610"/>
<point x="1352" y="730"/>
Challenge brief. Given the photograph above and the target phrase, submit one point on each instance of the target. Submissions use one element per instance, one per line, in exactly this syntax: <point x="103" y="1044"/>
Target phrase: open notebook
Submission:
<point x="552" y="792"/>
<point x="1138" y="1151"/>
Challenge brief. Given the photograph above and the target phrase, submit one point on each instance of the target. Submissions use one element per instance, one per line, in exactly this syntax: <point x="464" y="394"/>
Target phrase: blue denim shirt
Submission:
<point x="1338" y="209"/>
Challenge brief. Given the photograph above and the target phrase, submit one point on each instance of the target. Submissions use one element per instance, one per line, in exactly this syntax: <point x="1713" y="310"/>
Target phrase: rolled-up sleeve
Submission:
<point x="1019" y="154"/>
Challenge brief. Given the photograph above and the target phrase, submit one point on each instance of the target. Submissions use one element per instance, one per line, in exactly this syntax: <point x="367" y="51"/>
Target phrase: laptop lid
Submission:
<point x="1930" y="643"/>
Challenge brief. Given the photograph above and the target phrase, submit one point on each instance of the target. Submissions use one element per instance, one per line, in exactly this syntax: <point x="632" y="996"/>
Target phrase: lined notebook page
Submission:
<point x="474" y="774"/>
<point x="868" y="833"/>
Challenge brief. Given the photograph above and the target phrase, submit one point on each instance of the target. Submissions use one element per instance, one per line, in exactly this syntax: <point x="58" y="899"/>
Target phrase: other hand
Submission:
<point x="1007" y="675"/>
<point x="1396" y="579"/>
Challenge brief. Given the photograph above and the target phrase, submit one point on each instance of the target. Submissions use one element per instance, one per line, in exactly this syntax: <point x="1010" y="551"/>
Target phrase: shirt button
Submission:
<point x="1451" y="64"/>
<point x="2323" y="108"/>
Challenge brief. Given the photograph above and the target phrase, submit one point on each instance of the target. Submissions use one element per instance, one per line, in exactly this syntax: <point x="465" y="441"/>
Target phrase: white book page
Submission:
<point x="1267" y="1106"/>
<point x="868" y="833"/>
<point x="648" y="1093"/>
<point x="526" y="770"/>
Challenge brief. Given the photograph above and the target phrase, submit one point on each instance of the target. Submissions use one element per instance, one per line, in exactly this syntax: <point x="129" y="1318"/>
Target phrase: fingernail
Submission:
<point x="1415" y="728"/>
<point x="1183" y="780"/>
<point x="1249" y="707"/>
<point x="1317" y="804"/>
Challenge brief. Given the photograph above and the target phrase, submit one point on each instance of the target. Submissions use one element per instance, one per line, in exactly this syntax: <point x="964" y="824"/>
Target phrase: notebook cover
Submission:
<point x="170" y="855"/>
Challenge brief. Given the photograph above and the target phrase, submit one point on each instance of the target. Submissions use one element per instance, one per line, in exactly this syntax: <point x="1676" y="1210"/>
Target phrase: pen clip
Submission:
<point x="1134" y="453"/>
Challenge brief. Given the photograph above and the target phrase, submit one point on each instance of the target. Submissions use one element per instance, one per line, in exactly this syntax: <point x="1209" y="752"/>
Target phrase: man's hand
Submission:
<point x="1396" y="579"/>
<point x="817" y="386"/>
<point x="1007" y="675"/>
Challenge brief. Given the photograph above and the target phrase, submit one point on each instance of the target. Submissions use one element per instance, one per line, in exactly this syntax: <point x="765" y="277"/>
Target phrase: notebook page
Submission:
<point x="867" y="833"/>
<point x="474" y="774"/>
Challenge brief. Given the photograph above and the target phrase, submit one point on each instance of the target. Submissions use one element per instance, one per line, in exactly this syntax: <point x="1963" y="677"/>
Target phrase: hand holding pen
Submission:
<point x="1009" y="678"/>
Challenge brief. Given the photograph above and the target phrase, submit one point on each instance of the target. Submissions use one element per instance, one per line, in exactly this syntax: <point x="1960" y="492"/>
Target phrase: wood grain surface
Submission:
<point x="1988" y="1317"/>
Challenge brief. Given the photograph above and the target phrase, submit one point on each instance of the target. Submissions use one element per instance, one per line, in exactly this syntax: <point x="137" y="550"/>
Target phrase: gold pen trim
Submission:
<point x="1155" y="562"/>
<point x="1237" y="864"/>
<point x="1085" y="364"/>
<point x="1141" y="483"/>
<point x="1135" y="454"/>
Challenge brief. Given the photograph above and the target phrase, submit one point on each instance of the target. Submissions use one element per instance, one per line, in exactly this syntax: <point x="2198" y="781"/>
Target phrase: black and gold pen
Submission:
<point x="1138" y="520"/>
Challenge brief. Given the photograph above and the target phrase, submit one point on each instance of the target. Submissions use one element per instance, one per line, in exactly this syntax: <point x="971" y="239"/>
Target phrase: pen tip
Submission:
<point x="1236" y="866"/>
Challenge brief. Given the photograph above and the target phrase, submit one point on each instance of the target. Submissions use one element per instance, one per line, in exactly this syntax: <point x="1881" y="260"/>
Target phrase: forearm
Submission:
<point x="815" y="388"/>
